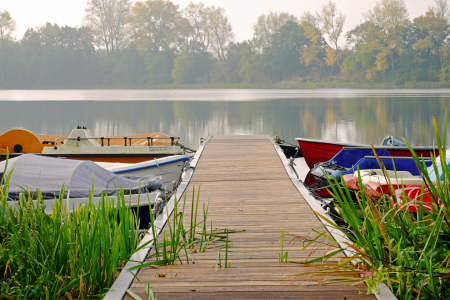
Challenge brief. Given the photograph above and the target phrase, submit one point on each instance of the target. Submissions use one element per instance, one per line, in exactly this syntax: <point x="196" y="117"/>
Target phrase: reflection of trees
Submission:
<point x="409" y="118"/>
<point x="360" y="120"/>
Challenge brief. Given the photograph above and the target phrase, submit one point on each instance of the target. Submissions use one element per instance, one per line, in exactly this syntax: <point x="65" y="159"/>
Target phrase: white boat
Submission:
<point x="169" y="169"/>
<point x="80" y="179"/>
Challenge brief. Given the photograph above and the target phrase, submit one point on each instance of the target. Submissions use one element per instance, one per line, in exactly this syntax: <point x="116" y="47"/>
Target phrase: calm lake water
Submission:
<point x="360" y="116"/>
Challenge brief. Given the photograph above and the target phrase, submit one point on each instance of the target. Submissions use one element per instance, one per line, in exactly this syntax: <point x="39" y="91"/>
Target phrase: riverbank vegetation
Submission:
<point x="155" y="44"/>
<point x="399" y="241"/>
<point x="62" y="255"/>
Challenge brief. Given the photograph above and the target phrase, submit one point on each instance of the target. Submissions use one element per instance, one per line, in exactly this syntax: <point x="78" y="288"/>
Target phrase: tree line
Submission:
<point x="155" y="42"/>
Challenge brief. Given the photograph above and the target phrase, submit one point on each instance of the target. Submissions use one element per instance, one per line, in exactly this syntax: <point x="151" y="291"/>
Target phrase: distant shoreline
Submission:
<point x="279" y="85"/>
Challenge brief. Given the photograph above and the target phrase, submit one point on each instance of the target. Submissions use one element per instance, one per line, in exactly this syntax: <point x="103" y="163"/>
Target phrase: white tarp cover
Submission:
<point x="49" y="175"/>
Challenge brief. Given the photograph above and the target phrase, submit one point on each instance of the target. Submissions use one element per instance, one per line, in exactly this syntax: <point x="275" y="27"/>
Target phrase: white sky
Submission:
<point x="242" y="14"/>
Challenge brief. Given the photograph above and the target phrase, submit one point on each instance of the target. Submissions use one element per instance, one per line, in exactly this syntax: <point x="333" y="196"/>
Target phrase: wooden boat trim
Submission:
<point x="385" y="292"/>
<point x="125" y="278"/>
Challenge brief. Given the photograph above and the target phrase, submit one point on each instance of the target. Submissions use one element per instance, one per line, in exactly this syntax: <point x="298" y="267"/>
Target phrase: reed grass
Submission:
<point x="408" y="251"/>
<point x="180" y="241"/>
<point x="282" y="256"/>
<point x="63" y="255"/>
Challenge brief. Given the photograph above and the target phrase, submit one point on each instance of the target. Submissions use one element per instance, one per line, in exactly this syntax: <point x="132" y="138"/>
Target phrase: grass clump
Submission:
<point x="182" y="237"/>
<point x="407" y="250"/>
<point x="63" y="255"/>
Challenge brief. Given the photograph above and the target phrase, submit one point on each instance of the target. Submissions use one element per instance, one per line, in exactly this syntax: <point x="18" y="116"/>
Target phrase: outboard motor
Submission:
<point x="390" y="141"/>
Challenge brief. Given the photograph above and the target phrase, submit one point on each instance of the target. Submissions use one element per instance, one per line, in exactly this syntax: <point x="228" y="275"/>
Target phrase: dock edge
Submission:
<point x="385" y="292"/>
<point x="125" y="279"/>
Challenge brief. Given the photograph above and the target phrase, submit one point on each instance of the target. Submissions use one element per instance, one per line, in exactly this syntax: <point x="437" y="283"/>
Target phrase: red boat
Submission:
<point x="317" y="151"/>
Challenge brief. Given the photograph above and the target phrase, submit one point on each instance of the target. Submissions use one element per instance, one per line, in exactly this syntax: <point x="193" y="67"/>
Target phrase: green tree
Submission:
<point x="7" y="26"/>
<point x="197" y="18"/>
<point x="129" y="67"/>
<point x="280" y="60"/>
<point x="156" y="25"/>
<point x="267" y="26"/>
<point x="331" y="23"/>
<point x="251" y="67"/>
<point x="435" y="28"/>
<point x="219" y="34"/>
<point x="313" y="53"/>
<point x="56" y="56"/>
<point x="191" y="67"/>
<point x="160" y="66"/>
<point x="106" y="19"/>
<point x="389" y="17"/>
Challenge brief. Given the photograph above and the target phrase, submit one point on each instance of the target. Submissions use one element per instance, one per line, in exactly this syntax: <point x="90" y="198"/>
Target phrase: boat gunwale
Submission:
<point x="395" y="157"/>
<point x="364" y="146"/>
<point x="325" y="142"/>
<point x="147" y="166"/>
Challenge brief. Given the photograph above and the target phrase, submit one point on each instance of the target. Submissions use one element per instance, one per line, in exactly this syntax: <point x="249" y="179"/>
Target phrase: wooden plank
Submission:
<point x="249" y="190"/>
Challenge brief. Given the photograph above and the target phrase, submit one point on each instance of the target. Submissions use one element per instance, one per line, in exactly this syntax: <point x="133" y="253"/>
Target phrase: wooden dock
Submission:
<point x="250" y="192"/>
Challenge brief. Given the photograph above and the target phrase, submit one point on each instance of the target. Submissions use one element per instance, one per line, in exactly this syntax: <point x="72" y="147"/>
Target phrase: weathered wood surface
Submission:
<point x="250" y="192"/>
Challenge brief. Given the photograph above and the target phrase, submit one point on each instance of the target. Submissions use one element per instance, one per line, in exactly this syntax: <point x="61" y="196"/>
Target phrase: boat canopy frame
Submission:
<point x="149" y="140"/>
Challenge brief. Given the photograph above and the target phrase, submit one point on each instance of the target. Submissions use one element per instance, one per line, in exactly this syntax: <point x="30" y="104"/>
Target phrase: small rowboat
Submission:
<point x="317" y="151"/>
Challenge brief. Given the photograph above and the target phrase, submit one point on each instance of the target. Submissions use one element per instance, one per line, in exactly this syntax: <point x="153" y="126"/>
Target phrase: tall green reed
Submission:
<point x="408" y="251"/>
<point x="63" y="255"/>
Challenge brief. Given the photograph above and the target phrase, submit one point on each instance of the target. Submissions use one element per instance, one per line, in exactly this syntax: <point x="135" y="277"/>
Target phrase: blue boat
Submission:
<point x="348" y="160"/>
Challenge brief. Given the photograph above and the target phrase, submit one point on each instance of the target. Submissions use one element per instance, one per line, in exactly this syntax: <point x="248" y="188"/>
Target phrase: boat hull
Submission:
<point x="317" y="151"/>
<point x="168" y="168"/>
<point x="111" y="158"/>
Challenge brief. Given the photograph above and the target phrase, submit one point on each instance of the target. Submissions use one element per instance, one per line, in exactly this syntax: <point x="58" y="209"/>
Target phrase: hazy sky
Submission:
<point x="241" y="13"/>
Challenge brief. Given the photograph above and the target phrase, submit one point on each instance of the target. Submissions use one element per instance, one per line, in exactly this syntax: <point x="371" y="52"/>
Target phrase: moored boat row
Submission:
<point x="146" y="167"/>
<point x="388" y="169"/>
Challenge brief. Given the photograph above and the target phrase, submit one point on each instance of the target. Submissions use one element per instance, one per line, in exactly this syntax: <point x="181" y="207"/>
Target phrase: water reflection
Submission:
<point x="351" y="119"/>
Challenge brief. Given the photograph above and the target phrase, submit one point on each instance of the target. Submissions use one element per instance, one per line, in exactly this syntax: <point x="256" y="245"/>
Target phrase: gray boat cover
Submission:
<point x="49" y="175"/>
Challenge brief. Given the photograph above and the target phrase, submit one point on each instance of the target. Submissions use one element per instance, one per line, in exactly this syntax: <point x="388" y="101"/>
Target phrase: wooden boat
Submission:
<point x="82" y="145"/>
<point x="317" y="151"/>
